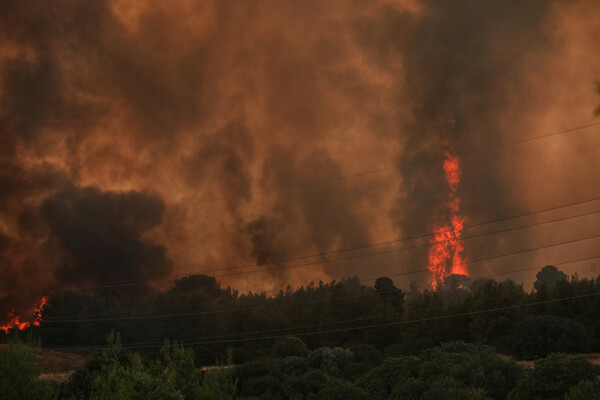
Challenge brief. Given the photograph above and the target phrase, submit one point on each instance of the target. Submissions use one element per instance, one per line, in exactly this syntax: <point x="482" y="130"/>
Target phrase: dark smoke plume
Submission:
<point x="102" y="235"/>
<point x="144" y="140"/>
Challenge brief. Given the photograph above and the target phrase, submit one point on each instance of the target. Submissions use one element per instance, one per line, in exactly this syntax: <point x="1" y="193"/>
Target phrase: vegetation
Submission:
<point x="325" y="341"/>
<point x="454" y="370"/>
<point x="19" y="377"/>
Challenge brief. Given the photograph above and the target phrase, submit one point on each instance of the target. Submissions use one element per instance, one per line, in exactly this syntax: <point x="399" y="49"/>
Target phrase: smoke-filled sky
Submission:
<point x="146" y="140"/>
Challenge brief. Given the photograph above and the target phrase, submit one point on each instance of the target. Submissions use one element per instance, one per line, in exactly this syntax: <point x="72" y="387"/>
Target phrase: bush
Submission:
<point x="584" y="390"/>
<point x="541" y="335"/>
<point x="341" y="390"/>
<point x="117" y="374"/>
<point x="19" y="378"/>
<point x="290" y="346"/>
<point x="294" y="365"/>
<point x="366" y="353"/>
<point x="330" y="360"/>
<point x="475" y="366"/>
<point x="555" y="376"/>
<point x="307" y="385"/>
<point x="380" y="381"/>
<point x="448" y="388"/>
<point x="452" y="370"/>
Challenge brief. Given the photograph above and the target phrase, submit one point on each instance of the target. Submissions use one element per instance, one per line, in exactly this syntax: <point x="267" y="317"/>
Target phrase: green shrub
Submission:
<point x="307" y="385"/>
<point x="19" y="378"/>
<point x="584" y="390"/>
<point x="448" y="388"/>
<point x="330" y="360"/>
<point x="341" y="390"/>
<point x="290" y="346"/>
<point x="554" y="376"/>
<point x="294" y="365"/>
<point x="118" y="374"/>
<point x="541" y="335"/>
<point x="475" y="366"/>
<point x="380" y="381"/>
<point x="366" y="353"/>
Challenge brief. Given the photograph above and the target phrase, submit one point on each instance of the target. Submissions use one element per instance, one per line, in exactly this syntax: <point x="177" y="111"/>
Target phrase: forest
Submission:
<point x="336" y="340"/>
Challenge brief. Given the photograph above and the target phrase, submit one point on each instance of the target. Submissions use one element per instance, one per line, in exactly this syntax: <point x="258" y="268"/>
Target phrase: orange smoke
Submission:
<point x="14" y="322"/>
<point x="445" y="255"/>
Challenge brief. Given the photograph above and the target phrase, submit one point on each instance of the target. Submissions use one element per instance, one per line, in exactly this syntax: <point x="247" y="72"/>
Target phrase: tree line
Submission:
<point x="560" y="314"/>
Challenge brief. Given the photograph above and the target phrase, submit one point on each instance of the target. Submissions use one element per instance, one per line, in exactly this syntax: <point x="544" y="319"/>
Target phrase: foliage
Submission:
<point x="541" y="335"/>
<point x="118" y="374"/>
<point x="390" y="293"/>
<point x="380" y="381"/>
<point x="193" y="283"/>
<point x="330" y="360"/>
<point x="197" y="308"/>
<point x="554" y="377"/>
<point x="584" y="390"/>
<point x="19" y="378"/>
<point x="290" y="346"/>
<point x="330" y="317"/>
<point x="548" y="276"/>
<point x="472" y="365"/>
<point x="341" y="390"/>
<point x="452" y="370"/>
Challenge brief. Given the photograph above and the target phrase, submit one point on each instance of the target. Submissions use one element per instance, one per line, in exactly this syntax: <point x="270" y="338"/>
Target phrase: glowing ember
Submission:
<point x="445" y="255"/>
<point x="14" y="322"/>
<point x="37" y="312"/>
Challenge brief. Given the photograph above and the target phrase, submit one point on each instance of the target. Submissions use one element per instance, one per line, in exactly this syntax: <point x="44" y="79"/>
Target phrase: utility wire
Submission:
<point x="72" y="318"/>
<point x="342" y="177"/>
<point x="371" y="326"/>
<point x="409" y="164"/>
<point x="323" y="254"/>
<point x="220" y="311"/>
<point x="479" y="300"/>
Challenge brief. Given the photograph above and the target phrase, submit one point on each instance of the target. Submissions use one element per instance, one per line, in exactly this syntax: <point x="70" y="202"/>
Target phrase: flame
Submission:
<point x="14" y="322"/>
<point x="447" y="246"/>
<point x="37" y="312"/>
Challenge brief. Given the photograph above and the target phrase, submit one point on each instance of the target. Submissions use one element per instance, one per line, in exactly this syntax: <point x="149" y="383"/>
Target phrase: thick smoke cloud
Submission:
<point x="461" y="59"/>
<point x="172" y="123"/>
<point x="102" y="235"/>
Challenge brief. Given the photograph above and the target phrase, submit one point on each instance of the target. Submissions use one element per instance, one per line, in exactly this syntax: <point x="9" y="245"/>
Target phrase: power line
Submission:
<point x="348" y="176"/>
<point x="128" y="313"/>
<point x="143" y="282"/>
<point x="337" y="330"/>
<point x="409" y="164"/>
<point x="480" y="300"/>
<point x="401" y="322"/>
<point x="421" y="236"/>
<point x="426" y="245"/>
<point x="246" y="309"/>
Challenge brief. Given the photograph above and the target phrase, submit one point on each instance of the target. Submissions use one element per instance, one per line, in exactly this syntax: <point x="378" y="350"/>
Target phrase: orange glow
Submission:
<point x="37" y="312"/>
<point x="14" y="322"/>
<point x="452" y="170"/>
<point x="445" y="255"/>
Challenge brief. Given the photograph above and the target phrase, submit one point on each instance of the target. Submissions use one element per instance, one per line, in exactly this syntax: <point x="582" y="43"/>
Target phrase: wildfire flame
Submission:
<point x="14" y="322"/>
<point x="445" y="255"/>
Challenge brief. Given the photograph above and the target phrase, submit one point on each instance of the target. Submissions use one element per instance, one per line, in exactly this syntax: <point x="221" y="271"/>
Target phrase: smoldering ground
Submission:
<point x="187" y="115"/>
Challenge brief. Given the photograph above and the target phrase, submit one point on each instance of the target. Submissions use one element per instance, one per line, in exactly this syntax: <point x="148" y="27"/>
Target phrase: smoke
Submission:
<point x="324" y="215"/>
<point x="142" y="140"/>
<point x="102" y="235"/>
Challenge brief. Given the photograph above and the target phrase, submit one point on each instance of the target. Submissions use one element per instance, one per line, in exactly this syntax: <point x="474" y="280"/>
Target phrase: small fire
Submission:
<point x="445" y="255"/>
<point x="37" y="312"/>
<point x="14" y="322"/>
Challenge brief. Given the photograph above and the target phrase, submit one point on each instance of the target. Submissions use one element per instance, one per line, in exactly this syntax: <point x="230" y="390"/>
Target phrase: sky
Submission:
<point x="141" y="141"/>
